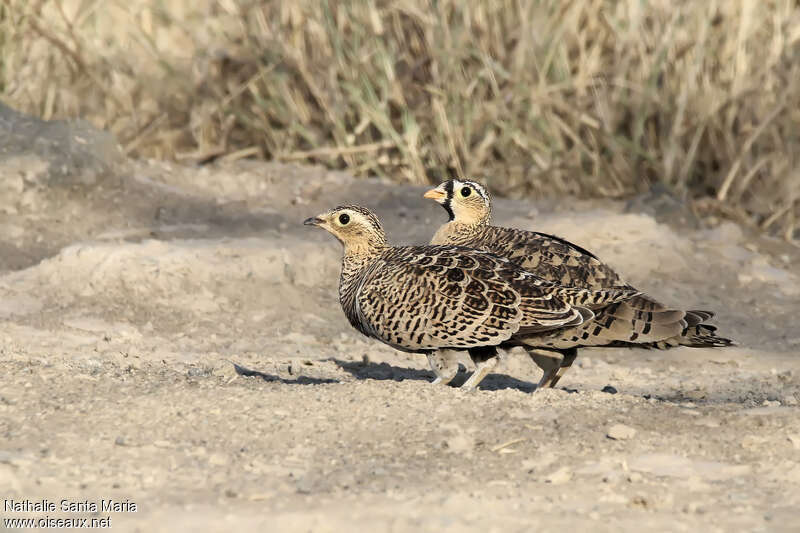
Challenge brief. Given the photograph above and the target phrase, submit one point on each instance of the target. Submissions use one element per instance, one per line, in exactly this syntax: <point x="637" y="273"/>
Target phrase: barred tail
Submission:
<point x="695" y="336"/>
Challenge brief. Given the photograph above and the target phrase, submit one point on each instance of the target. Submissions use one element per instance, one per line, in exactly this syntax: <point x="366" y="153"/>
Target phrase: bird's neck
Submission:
<point x="356" y="263"/>
<point x="357" y="260"/>
<point x="457" y="232"/>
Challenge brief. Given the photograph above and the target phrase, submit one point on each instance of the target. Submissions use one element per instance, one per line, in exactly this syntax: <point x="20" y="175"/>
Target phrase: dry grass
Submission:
<point x="588" y="97"/>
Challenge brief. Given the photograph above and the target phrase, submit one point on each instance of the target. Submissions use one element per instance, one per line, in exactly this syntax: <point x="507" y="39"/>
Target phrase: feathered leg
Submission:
<point x="485" y="360"/>
<point x="554" y="363"/>
<point x="569" y="357"/>
<point x="549" y="361"/>
<point x="444" y="364"/>
<point x="482" y="370"/>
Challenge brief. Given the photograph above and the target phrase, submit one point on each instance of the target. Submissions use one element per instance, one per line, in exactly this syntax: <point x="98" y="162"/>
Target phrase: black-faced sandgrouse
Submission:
<point x="637" y="321"/>
<point x="439" y="300"/>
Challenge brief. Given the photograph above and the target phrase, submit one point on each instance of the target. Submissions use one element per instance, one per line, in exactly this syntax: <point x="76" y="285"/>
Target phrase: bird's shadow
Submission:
<point x="385" y="371"/>
<point x="300" y="380"/>
<point x="382" y="371"/>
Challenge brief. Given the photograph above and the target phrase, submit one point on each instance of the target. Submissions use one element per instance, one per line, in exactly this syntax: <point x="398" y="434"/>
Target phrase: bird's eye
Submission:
<point x="466" y="191"/>
<point x="344" y="218"/>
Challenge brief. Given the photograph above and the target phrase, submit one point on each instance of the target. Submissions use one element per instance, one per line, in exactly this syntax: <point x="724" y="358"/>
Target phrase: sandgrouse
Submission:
<point x="439" y="300"/>
<point x="639" y="320"/>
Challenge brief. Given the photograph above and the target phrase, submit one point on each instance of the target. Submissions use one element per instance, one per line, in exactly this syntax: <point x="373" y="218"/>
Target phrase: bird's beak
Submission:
<point x="313" y="221"/>
<point x="435" y="194"/>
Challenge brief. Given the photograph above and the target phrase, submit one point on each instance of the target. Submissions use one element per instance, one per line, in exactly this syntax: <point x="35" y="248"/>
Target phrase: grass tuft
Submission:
<point x="585" y="97"/>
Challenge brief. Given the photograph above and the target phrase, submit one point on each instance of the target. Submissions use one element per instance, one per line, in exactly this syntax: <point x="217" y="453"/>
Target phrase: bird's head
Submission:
<point x="465" y="201"/>
<point x="357" y="228"/>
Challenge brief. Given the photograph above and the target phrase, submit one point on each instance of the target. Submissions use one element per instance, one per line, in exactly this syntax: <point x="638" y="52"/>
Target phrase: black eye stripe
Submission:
<point x="344" y="218"/>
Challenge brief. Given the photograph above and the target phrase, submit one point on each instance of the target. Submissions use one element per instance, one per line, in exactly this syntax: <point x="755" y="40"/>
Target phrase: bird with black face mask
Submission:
<point x="638" y="321"/>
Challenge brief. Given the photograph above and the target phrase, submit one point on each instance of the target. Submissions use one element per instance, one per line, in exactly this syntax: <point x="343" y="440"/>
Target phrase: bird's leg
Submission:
<point x="482" y="369"/>
<point x="548" y="361"/>
<point x="569" y="356"/>
<point x="444" y="364"/>
<point x="485" y="360"/>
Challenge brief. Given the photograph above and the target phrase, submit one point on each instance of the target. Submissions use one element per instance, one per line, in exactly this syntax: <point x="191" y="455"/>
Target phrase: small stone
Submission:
<point x="612" y="477"/>
<point x="260" y="496"/>
<point x="691" y="508"/>
<point x="707" y="422"/>
<point x="609" y="389"/>
<point x="562" y="475"/>
<point x="621" y="432"/>
<point x="613" y="497"/>
<point x="217" y="459"/>
<point x="14" y="459"/>
<point x="194" y="372"/>
<point x="639" y="501"/>
<point x="460" y="444"/>
<point x="753" y="441"/>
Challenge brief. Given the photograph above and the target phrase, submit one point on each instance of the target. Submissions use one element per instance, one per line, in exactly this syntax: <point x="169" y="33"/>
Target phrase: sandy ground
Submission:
<point x="129" y="289"/>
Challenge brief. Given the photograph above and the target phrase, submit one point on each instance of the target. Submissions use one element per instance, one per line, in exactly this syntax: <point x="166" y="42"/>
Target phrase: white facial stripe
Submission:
<point x="477" y="187"/>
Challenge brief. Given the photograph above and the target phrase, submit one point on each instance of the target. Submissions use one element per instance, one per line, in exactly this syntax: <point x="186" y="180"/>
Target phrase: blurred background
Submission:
<point x="539" y="98"/>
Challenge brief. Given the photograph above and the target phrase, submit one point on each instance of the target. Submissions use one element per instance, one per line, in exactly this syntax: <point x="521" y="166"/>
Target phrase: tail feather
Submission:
<point x="698" y="336"/>
<point x="696" y="317"/>
<point x="639" y="321"/>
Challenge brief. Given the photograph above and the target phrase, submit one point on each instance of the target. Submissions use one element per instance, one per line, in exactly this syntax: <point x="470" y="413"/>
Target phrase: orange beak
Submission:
<point x="435" y="194"/>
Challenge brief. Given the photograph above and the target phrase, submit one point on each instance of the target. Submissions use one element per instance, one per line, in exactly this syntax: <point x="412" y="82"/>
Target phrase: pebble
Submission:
<point x="217" y="459"/>
<point x="14" y="459"/>
<point x="621" y="432"/>
<point x="562" y="475"/>
<point x="661" y="464"/>
<point x="753" y="441"/>
<point x="460" y="444"/>
<point x="609" y="389"/>
<point x="261" y="496"/>
<point x="304" y="485"/>
<point x="612" y="477"/>
<point x="707" y="422"/>
<point x="634" y="477"/>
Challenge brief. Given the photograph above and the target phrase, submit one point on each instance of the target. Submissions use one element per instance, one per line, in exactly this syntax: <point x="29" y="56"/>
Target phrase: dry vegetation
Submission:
<point x="591" y="97"/>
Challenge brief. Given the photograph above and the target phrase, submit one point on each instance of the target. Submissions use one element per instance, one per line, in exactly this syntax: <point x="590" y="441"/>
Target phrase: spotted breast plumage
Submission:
<point x="438" y="300"/>
<point x="640" y="320"/>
